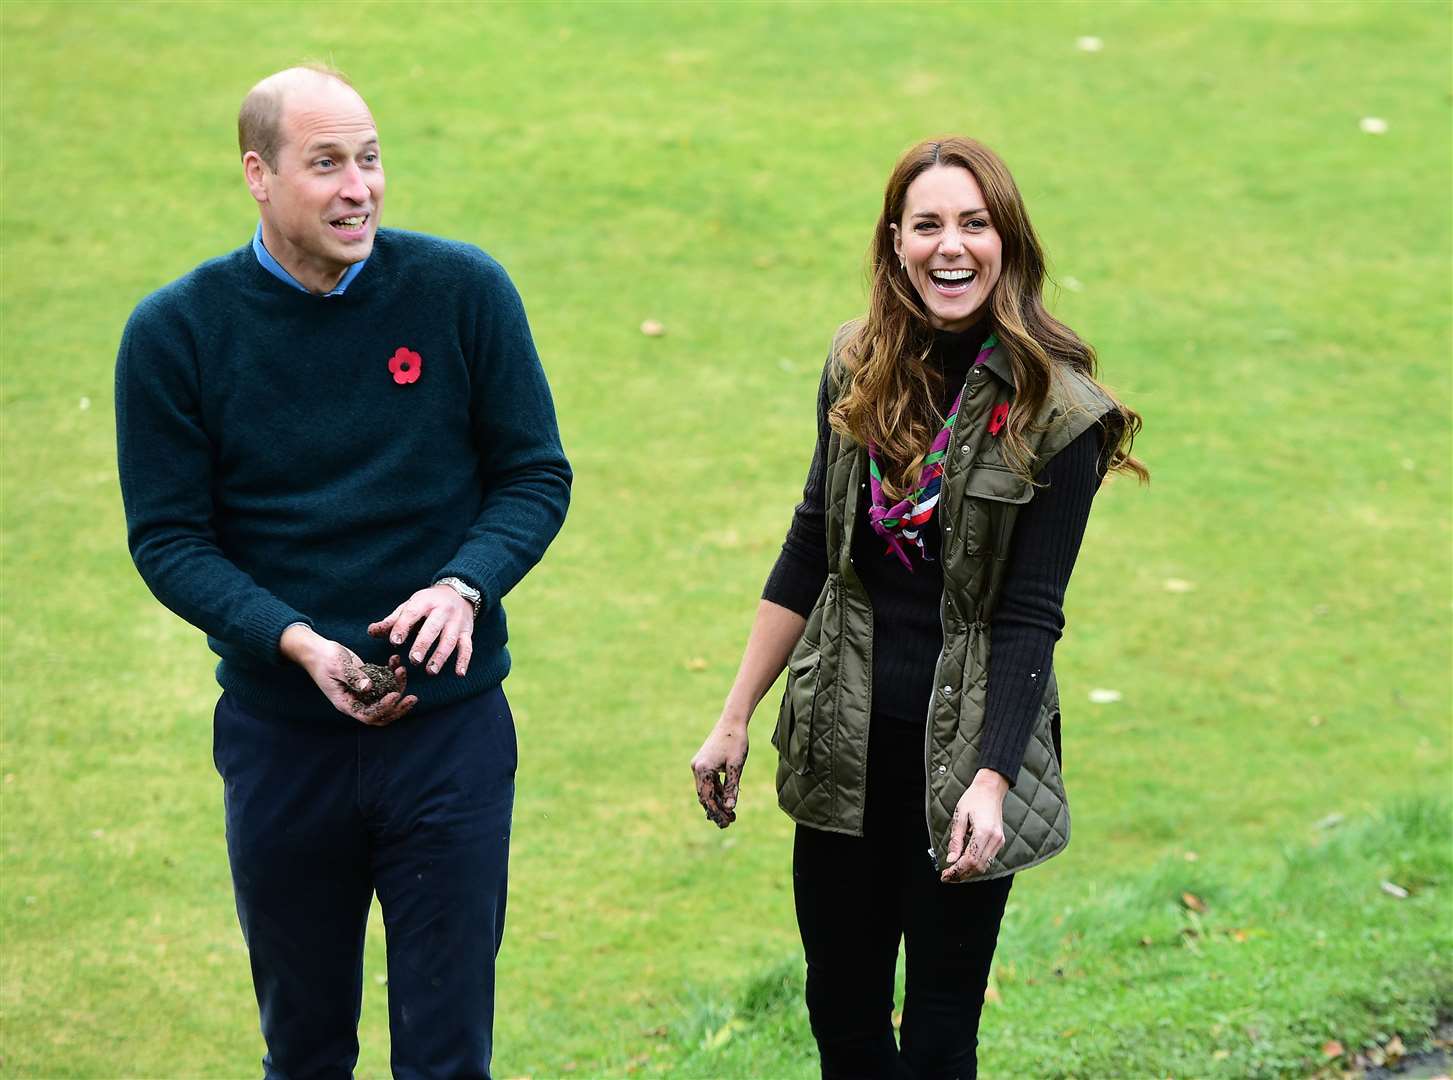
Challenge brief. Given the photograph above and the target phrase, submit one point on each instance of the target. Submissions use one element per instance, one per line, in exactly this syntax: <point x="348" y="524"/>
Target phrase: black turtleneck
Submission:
<point x="907" y="634"/>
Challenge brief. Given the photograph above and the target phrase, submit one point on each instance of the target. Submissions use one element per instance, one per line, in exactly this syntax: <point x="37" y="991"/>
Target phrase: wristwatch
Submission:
<point x="469" y="592"/>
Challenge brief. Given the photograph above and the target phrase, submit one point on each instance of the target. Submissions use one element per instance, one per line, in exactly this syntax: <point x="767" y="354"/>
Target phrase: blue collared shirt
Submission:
<point x="275" y="268"/>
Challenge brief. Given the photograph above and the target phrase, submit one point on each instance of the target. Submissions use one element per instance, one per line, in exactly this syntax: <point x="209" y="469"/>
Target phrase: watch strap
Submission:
<point x="464" y="589"/>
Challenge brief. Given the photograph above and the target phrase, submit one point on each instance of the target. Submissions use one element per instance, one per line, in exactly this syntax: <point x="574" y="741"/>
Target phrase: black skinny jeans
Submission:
<point x="857" y="896"/>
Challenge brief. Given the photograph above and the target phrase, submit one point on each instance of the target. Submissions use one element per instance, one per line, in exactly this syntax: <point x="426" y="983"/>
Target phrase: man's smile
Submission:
<point x="352" y="225"/>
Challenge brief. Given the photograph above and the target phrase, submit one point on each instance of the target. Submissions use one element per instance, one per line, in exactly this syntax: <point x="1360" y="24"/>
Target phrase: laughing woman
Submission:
<point x="916" y="605"/>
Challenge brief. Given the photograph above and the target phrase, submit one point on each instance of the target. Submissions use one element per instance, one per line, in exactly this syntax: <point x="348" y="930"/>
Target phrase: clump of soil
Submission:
<point x="381" y="683"/>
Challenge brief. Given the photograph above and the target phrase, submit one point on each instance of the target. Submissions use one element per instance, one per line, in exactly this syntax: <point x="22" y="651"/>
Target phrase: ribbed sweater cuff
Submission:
<point x="263" y="626"/>
<point x="475" y="574"/>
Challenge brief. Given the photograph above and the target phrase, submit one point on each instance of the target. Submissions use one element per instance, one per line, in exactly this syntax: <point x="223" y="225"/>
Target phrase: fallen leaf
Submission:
<point x="1240" y="935"/>
<point x="651" y="328"/>
<point x="1089" y="43"/>
<point x="1194" y="902"/>
<point x="1332" y="1048"/>
<point x="1373" y="125"/>
<point x="1394" y="890"/>
<point x="1069" y="1033"/>
<point x="723" y="1036"/>
<point x="991" y="996"/>
<point x="1394" y="1050"/>
<point x="696" y="663"/>
<point x="1100" y="696"/>
<point x="658" y="1032"/>
<point x="1178" y="585"/>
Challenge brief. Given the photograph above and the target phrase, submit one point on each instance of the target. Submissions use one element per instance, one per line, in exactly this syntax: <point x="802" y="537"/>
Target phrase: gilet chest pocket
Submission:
<point x="986" y="485"/>
<point x="793" y="735"/>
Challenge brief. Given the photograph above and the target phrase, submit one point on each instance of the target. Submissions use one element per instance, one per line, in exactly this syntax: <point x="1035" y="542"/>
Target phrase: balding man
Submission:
<point x="337" y="448"/>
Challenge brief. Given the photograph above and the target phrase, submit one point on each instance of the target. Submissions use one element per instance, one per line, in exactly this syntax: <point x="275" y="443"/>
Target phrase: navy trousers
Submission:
<point x="858" y="897"/>
<point x="320" y="817"/>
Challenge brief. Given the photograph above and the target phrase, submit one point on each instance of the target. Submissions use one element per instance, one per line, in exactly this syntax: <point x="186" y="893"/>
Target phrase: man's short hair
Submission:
<point x="259" y="122"/>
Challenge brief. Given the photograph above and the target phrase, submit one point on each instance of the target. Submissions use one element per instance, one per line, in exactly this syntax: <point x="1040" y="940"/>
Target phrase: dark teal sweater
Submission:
<point x="274" y="471"/>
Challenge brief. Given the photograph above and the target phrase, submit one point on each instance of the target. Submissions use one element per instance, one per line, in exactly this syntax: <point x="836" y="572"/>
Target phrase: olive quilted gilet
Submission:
<point x="822" y="726"/>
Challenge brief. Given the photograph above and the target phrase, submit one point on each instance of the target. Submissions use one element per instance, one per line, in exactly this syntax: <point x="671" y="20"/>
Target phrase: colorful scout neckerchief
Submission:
<point x="905" y="521"/>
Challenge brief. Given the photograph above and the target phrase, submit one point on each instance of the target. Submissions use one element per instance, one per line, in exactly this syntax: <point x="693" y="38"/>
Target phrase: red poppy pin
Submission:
<point x="405" y="364"/>
<point x="998" y="418"/>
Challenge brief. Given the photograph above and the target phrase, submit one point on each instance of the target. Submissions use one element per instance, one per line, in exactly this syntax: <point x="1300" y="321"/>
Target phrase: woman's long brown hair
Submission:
<point x="891" y="398"/>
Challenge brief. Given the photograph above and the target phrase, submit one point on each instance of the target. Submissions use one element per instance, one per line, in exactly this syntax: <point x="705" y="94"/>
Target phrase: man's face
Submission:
<point x="320" y="209"/>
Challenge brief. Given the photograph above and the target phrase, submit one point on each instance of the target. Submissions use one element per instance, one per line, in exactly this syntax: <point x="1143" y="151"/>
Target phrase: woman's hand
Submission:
<point x="723" y="755"/>
<point x="979" y="819"/>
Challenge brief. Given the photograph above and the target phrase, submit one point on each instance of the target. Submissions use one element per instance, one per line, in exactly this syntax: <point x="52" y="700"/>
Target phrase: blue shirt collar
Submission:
<point x="275" y="268"/>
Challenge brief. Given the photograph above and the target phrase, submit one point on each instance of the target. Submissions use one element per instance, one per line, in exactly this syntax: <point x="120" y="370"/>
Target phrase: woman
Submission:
<point x="961" y="438"/>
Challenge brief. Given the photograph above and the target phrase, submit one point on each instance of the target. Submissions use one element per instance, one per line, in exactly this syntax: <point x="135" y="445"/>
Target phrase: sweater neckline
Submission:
<point x="259" y="280"/>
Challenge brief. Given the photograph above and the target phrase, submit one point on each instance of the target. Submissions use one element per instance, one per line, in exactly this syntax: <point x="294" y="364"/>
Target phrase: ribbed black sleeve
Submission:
<point x="1029" y="616"/>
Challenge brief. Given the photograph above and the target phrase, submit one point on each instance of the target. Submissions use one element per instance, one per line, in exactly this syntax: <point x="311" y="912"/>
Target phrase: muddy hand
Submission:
<point x="717" y="771"/>
<point x="444" y="620"/>
<point x="376" y="711"/>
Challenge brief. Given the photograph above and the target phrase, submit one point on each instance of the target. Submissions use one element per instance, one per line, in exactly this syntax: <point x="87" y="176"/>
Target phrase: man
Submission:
<point x="336" y="443"/>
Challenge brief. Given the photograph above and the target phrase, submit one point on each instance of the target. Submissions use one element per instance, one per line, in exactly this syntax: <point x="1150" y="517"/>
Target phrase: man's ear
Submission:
<point x="255" y="172"/>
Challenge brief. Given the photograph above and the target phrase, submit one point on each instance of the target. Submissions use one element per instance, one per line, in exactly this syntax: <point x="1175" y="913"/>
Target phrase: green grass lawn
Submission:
<point x="1266" y="282"/>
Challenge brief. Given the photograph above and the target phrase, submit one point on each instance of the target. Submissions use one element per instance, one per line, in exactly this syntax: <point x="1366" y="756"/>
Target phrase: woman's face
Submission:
<point x="949" y="248"/>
